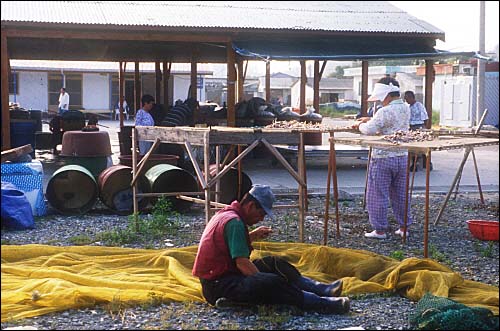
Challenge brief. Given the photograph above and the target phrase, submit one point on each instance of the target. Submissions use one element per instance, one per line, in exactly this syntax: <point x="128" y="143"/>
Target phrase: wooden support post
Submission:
<point x="429" y="80"/>
<point x="241" y="80"/>
<point x="194" y="77"/>
<point x="303" y="82"/>
<point x="121" y="89"/>
<point x="268" y="81"/>
<point x="316" y="86"/>
<point x="157" y="82"/>
<point x="364" y="88"/>
<point x="166" y="77"/>
<point x="317" y="79"/>
<point x="231" y="81"/>
<point x="5" y="95"/>
<point x="137" y="88"/>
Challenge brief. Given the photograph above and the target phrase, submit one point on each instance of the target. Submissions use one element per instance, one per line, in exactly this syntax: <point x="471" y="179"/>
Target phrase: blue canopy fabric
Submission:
<point x="366" y="49"/>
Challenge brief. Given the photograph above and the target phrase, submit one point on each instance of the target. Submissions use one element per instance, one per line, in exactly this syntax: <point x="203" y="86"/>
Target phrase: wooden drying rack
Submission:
<point x="440" y="143"/>
<point x="216" y="136"/>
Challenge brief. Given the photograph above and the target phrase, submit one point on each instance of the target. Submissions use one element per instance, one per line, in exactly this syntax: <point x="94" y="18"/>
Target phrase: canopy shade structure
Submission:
<point x="342" y="49"/>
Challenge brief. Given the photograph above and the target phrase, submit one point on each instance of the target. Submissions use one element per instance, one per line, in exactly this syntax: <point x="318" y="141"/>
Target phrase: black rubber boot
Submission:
<point x="326" y="305"/>
<point x="323" y="290"/>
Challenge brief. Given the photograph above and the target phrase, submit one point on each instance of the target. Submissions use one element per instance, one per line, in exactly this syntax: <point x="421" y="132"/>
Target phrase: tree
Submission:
<point x="339" y="72"/>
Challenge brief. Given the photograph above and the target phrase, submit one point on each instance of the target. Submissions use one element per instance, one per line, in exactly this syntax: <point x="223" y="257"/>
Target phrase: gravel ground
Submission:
<point x="450" y="242"/>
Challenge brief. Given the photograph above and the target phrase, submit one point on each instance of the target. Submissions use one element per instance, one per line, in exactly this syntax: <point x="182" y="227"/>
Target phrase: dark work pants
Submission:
<point x="273" y="284"/>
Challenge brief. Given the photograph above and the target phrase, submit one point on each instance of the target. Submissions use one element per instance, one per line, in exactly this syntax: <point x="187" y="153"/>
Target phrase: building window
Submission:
<point x="73" y="87"/>
<point x="13" y="83"/>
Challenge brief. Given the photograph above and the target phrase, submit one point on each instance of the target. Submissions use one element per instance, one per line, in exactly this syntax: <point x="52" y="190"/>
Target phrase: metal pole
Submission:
<point x="480" y="64"/>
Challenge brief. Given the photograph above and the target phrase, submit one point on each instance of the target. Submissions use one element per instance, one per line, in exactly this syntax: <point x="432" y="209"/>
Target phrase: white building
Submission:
<point x="405" y="75"/>
<point x="92" y="86"/>
<point x="330" y="90"/>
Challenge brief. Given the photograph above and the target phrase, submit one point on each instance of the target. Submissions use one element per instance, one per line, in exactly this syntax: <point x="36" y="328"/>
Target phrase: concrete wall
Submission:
<point x="95" y="91"/>
<point x="32" y="90"/>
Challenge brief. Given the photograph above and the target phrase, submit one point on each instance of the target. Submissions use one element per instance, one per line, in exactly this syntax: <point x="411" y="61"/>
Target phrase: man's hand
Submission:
<point x="260" y="232"/>
<point x="360" y="120"/>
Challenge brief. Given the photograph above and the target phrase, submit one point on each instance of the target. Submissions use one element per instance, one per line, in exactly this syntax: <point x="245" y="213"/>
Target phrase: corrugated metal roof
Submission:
<point x="332" y="16"/>
<point x="93" y="66"/>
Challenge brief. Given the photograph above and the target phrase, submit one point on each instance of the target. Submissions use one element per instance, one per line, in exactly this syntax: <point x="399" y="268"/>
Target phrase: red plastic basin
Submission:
<point x="484" y="230"/>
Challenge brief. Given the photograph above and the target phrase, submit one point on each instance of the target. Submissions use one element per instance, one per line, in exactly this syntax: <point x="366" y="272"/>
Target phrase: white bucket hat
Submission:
<point x="380" y="91"/>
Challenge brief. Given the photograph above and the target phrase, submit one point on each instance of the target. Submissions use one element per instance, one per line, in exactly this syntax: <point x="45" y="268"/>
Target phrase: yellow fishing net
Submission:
<point x="38" y="279"/>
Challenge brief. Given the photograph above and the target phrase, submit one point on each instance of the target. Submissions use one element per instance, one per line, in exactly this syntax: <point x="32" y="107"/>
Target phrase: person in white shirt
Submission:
<point x="418" y="113"/>
<point x="63" y="101"/>
<point x="387" y="171"/>
<point x="125" y="110"/>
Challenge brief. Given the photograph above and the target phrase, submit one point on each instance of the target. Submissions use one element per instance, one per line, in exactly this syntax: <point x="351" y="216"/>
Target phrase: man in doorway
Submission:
<point x="63" y="101"/>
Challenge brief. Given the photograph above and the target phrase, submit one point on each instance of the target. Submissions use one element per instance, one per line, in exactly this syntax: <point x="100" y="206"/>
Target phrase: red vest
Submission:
<point x="213" y="259"/>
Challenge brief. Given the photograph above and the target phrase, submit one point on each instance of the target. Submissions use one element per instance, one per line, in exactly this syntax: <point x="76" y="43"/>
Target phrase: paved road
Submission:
<point x="351" y="171"/>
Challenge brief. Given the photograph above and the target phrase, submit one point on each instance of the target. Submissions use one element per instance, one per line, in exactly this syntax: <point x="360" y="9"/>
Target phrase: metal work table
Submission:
<point x="216" y="136"/>
<point x="439" y="143"/>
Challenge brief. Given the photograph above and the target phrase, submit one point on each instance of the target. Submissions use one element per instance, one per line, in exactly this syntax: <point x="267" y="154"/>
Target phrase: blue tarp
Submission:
<point x="354" y="49"/>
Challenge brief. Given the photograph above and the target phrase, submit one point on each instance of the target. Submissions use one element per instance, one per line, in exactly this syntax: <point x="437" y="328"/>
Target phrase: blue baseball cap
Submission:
<point x="265" y="197"/>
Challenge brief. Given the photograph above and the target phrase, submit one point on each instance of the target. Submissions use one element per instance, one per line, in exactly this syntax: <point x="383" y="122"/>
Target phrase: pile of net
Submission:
<point x="438" y="313"/>
<point x="408" y="136"/>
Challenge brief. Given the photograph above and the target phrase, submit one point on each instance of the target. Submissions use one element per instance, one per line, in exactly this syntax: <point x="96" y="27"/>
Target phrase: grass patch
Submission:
<point x="329" y="110"/>
<point x="147" y="230"/>
<point x="80" y="240"/>
<point x="485" y="251"/>
<point x="435" y="254"/>
<point x="272" y="317"/>
<point x="397" y="255"/>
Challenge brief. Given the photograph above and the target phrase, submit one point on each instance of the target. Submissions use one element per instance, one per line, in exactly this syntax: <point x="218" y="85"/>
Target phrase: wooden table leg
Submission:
<point x="426" y="221"/>
<point x="300" y="165"/>
<point x="366" y="176"/>
<point x="134" y="187"/>
<point x="206" y="159"/>
<point x="457" y="176"/>
<point x="327" y="194"/>
<point x="477" y="177"/>
<point x="335" y="189"/>
<point x="407" y="184"/>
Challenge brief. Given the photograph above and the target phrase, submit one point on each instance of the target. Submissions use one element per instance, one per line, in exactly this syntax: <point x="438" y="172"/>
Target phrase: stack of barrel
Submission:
<point x="73" y="190"/>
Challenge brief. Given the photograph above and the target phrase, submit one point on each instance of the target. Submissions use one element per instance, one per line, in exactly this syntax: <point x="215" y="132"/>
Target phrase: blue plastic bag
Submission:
<point x="16" y="209"/>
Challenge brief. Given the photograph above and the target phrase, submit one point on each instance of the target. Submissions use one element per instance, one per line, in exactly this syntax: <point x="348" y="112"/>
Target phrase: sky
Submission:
<point x="459" y="20"/>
